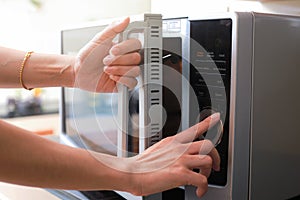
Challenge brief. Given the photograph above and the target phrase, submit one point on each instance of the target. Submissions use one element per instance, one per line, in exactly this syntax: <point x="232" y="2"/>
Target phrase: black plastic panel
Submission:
<point x="210" y="75"/>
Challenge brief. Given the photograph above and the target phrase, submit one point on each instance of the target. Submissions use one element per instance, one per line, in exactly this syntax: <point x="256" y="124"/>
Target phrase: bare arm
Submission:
<point x="98" y="66"/>
<point x="28" y="159"/>
<point x="41" y="70"/>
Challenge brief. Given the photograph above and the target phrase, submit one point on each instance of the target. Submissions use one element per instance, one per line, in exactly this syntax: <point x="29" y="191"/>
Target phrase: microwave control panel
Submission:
<point x="210" y="75"/>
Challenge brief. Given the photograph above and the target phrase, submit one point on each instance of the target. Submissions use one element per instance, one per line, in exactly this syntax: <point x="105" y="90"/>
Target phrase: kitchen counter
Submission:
<point x="17" y="192"/>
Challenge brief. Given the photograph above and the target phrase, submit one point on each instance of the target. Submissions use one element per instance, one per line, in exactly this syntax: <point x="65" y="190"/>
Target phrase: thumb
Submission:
<point x="112" y="30"/>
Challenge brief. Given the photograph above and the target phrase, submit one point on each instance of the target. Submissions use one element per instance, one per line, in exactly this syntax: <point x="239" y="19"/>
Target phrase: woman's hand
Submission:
<point x="170" y="162"/>
<point x="100" y="64"/>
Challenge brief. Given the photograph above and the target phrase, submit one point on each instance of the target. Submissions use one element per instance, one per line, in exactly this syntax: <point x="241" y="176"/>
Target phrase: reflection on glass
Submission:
<point x="91" y="119"/>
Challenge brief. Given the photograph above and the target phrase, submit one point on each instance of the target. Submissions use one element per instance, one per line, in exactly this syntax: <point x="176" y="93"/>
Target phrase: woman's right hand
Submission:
<point x="170" y="162"/>
<point x="167" y="164"/>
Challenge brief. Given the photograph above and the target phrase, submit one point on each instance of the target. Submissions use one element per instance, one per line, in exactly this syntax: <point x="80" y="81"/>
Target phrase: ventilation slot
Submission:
<point x="155" y="31"/>
<point x="154" y="55"/>
<point x="154" y="66"/>
<point x="154" y="91"/>
<point x="154" y="129"/>
<point x="155" y="136"/>
<point x="154" y="140"/>
<point x="154" y="101"/>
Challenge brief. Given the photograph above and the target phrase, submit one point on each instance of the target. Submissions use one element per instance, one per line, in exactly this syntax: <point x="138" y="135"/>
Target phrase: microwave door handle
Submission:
<point x="151" y="30"/>
<point x="123" y="97"/>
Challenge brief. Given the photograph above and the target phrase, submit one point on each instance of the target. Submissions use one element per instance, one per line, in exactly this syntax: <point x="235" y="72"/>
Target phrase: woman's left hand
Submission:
<point x="101" y="63"/>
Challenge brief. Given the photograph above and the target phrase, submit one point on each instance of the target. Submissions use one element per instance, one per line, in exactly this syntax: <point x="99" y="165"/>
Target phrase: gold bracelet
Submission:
<point x="27" y="55"/>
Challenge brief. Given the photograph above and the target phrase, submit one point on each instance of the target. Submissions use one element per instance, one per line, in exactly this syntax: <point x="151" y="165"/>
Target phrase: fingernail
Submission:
<point x="202" y="156"/>
<point x="112" y="77"/>
<point x="114" y="51"/>
<point x="215" y="118"/>
<point x="107" y="60"/>
<point x="105" y="68"/>
<point x="217" y="168"/>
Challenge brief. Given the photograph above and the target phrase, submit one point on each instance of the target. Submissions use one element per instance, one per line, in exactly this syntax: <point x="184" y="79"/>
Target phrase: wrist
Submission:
<point x="133" y="178"/>
<point x="49" y="70"/>
<point x="121" y="173"/>
<point x="67" y="73"/>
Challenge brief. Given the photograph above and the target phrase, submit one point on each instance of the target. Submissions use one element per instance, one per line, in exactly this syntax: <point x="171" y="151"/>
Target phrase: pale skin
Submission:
<point x="27" y="159"/>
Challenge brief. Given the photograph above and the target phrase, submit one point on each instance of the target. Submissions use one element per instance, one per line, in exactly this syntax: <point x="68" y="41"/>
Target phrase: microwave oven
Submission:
<point x="262" y="89"/>
<point x="243" y="65"/>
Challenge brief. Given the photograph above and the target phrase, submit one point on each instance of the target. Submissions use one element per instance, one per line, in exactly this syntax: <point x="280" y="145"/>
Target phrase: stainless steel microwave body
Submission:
<point x="245" y="66"/>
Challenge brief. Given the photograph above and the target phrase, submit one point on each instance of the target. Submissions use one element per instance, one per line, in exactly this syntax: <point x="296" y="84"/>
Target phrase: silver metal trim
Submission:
<point x="123" y="114"/>
<point x="186" y="74"/>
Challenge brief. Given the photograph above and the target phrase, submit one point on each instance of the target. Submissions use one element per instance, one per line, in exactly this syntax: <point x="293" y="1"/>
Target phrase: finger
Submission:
<point x="105" y="84"/>
<point x="111" y="31"/>
<point x="201" y="191"/>
<point x="199" y="181"/>
<point x="195" y="131"/>
<point x="126" y="59"/>
<point x="206" y="124"/>
<point x="205" y="147"/>
<point x="205" y="171"/>
<point x="127" y="81"/>
<point x="197" y="161"/>
<point x="202" y="147"/>
<point x="123" y="71"/>
<point x="206" y="165"/>
<point x="127" y="46"/>
<point x="216" y="159"/>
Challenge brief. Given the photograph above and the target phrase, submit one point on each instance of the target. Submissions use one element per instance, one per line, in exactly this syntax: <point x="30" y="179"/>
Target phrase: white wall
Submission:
<point x="182" y="8"/>
<point x="177" y="8"/>
<point x="26" y="27"/>
<point x="290" y="7"/>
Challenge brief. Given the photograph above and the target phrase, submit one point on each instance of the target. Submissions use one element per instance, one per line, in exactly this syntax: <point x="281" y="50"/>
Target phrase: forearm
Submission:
<point x="31" y="160"/>
<point x="40" y="70"/>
